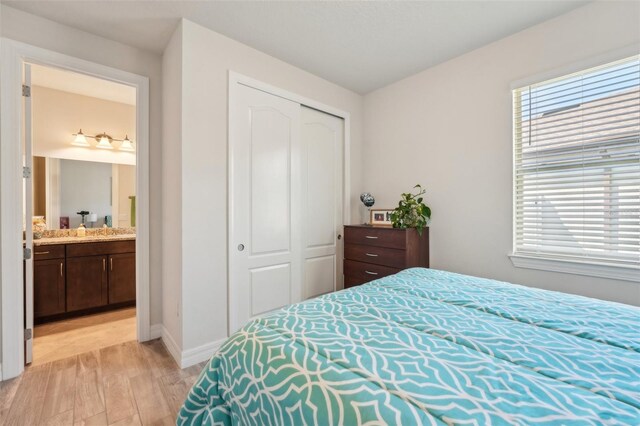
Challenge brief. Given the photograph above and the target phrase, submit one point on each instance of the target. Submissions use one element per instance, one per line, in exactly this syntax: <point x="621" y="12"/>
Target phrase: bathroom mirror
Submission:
<point x="63" y="187"/>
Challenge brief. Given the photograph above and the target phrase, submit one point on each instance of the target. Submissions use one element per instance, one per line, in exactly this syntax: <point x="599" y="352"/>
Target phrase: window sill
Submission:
<point x="591" y="269"/>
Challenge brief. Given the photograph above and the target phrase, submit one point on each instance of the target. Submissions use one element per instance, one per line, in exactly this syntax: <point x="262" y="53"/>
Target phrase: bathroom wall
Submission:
<point x="57" y="115"/>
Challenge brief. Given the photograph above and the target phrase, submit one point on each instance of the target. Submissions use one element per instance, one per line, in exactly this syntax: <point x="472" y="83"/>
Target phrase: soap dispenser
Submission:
<point x="82" y="232"/>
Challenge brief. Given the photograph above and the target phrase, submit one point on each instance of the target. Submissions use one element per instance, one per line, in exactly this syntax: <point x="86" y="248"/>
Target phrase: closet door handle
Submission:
<point x="371" y="237"/>
<point x="61" y="273"/>
<point x="111" y="263"/>
<point x="371" y="255"/>
<point x="371" y="273"/>
<point x="104" y="264"/>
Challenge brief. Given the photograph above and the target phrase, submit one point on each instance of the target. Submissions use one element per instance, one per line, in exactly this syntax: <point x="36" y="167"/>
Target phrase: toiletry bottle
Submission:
<point x="82" y="232"/>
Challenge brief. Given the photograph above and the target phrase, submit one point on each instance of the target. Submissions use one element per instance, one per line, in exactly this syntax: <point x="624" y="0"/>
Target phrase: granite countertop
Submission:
<point x="79" y="240"/>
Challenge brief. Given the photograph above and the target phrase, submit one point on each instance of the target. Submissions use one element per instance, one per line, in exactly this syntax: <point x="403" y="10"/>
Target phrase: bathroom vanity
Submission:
<point x="79" y="275"/>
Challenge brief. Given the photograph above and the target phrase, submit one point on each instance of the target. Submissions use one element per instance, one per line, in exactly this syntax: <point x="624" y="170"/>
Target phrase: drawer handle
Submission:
<point x="43" y="252"/>
<point x="371" y="273"/>
<point x="371" y="237"/>
<point x="371" y="254"/>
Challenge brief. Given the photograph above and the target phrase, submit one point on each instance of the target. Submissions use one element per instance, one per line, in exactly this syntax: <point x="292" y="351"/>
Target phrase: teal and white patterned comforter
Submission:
<point x="428" y="347"/>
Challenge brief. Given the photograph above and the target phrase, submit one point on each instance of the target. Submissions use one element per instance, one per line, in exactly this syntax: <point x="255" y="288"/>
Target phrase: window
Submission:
<point x="577" y="168"/>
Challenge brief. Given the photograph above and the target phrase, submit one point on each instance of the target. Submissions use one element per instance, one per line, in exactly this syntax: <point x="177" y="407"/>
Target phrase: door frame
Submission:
<point x="236" y="79"/>
<point x="13" y="54"/>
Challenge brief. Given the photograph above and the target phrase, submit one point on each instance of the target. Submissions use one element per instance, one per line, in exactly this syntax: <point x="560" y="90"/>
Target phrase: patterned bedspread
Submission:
<point x="428" y="347"/>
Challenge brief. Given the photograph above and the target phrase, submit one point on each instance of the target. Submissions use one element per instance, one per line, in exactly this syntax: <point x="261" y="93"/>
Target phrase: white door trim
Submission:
<point x="13" y="55"/>
<point x="236" y="78"/>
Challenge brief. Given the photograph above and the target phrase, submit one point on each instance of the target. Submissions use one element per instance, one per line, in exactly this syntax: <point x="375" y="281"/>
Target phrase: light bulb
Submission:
<point x="104" y="142"/>
<point x="127" y="145"/>
<point x="80" y="139"/>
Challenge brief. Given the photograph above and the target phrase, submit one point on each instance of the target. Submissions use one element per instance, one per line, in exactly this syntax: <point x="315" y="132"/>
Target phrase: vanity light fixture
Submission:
<point x="126" y="144"/>
<point x="104" y="141"/>
<point x="80" y="139"/>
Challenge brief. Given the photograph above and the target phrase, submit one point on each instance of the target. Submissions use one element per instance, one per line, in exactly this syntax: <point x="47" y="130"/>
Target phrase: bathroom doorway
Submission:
<point x="84" y="158"/>
<point x="79" y="201"/>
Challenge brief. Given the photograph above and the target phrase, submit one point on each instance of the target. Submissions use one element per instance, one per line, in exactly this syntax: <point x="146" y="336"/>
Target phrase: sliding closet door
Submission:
<point x="322" y="139"/>
<point x="265" y="205"/>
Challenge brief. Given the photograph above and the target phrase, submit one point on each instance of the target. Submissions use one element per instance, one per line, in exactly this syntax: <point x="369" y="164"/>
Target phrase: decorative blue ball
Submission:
<point x="367" y="199"/>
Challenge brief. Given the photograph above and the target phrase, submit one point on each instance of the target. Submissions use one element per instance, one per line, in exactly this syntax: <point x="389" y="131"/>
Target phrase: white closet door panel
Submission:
<point x="319" y="276"/>
<point x="322" y="140"/>
<point x="270" y="180"/>
<point x="321" y="184"/>
<point x="270" y="288"/>
<point x="265" y="239"/>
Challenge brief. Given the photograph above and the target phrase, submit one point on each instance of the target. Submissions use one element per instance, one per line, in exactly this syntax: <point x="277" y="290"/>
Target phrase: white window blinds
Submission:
<point x="577" y="166"/>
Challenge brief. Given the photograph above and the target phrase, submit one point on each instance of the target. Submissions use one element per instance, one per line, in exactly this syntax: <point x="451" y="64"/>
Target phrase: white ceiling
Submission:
<point x="81" y="84"/>
<point x="358" y="45"/>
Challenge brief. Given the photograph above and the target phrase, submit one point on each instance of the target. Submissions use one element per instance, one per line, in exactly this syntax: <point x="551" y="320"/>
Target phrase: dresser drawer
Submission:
<point x="100" y="248"/>
<point x="394" y="258"/>
<point x="379" y="237"/>
<point x="356" y="273"/>
<point x="54" y="251"/>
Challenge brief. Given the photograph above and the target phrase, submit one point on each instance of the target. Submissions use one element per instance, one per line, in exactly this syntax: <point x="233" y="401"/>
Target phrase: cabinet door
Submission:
<point x="122" y="278"/>
<point x="86" y="282"/>
<point x="48" y="287"/>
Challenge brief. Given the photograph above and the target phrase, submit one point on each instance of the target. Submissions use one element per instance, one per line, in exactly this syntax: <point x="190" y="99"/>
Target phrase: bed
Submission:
<point x="428" y="347"/>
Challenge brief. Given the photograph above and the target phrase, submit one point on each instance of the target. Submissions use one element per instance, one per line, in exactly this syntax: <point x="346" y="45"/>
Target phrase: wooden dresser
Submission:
<point x="374" y="252"/>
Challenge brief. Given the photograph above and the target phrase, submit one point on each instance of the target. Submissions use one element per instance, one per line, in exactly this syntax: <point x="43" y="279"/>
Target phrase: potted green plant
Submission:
<point x="411" y="211"/>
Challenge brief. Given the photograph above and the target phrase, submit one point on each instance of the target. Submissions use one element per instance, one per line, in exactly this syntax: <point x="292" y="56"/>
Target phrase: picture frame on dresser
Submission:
<point x="380" y="217"/>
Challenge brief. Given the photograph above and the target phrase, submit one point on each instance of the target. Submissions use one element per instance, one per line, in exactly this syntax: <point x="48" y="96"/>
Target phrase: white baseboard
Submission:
<point x="201" y="353"/>
<point x="172" y="346"/>
<point x="155" y="331"/>
<point x="190" y="356"/>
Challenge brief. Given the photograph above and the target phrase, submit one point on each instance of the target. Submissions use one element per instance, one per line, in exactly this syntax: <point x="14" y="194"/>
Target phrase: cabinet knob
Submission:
<point x="339" y="236"/>
<point x="240" y="247"/>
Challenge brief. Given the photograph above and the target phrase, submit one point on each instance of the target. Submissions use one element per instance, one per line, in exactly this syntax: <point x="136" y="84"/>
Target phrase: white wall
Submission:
<point x="57" y="115"/>
<point x="207" y="58"/>
<point x="172" y="189"/>
<point x="50" y="35"/>
<point x="449" y="128"/>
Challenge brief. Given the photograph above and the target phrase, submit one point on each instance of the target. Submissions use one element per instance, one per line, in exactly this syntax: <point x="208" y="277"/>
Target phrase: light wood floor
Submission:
<point x="62" y="339"/>
<point x="126" y="384"/>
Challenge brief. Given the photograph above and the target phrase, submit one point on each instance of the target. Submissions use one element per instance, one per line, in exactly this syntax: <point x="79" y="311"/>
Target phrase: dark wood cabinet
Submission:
<point x="122" y="277"/>
<point x="86" y="282"/>
<point x="48" y="287"/>
<point x="375" y="252"/>
<point x="77" y="278"/>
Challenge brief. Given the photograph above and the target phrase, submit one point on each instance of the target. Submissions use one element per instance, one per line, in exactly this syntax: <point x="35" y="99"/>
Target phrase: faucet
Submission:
<point x="82" y="213"/>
